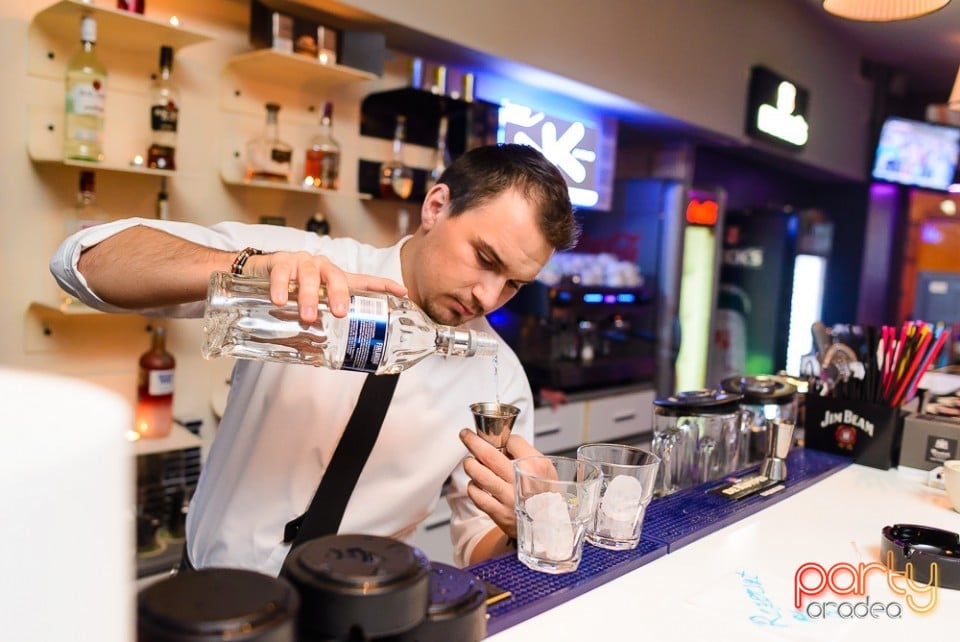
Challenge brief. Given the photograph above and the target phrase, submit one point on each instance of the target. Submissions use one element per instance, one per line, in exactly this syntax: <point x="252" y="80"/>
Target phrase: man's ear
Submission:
<point x="434" y="206"/>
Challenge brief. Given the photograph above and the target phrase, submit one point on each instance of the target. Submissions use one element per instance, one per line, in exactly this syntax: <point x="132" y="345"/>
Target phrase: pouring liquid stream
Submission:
<point x="496" y="378"/>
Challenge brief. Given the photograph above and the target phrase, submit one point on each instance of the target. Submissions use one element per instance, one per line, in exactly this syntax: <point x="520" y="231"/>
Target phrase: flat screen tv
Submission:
<point x="910" y="152"/>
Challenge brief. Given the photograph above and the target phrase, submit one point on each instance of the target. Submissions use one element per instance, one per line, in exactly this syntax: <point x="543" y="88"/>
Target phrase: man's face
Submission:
<point x="471" y="264"/>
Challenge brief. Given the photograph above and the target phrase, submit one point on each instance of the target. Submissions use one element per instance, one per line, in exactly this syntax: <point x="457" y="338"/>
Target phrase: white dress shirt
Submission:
<point x="282" y="422"/>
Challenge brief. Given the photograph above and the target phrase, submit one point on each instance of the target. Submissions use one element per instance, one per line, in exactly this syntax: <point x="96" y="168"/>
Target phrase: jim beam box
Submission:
<point x="928" y="441"/>
<point x="869" y="433"/>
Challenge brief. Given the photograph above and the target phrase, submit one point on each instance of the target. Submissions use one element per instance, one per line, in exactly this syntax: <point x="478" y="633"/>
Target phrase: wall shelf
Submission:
<point x="52" y="326"/>
<point x="105" y="167"/>
<point x="294" y="69"/>
<point x="238" y="181"/>
<point x="116" y="28"/>
<point x="179" y="439"/>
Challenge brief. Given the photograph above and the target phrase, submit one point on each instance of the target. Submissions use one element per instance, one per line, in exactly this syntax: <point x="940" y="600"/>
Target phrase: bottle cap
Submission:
<point x="87" y="183"/>
<point x="88" y="29"/>
<point x="166" y="57"/>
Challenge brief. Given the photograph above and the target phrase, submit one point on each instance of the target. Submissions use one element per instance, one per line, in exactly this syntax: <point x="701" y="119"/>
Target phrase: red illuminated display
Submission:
<point x="702" y="212"/>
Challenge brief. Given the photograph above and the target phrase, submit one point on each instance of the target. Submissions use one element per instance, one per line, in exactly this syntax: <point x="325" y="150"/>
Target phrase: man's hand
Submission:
<point x="311" y="272"/>
<point x="491" y="477"/>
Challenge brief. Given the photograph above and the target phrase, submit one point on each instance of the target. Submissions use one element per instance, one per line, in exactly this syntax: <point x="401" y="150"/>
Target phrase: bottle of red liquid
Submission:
<point x="131" y="5"/>
<point x="154" y="412"/>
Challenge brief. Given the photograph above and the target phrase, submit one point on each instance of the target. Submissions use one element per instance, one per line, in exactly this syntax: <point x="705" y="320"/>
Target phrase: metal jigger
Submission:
<point x="494" y="421"/>
<point x="774" y="464"/>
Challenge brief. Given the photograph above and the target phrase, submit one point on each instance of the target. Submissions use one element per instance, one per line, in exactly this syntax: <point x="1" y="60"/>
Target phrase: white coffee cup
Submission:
<point x="951" y="480"/>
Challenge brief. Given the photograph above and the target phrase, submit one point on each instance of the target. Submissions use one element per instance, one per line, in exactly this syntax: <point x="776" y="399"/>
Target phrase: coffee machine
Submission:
<point x="573" y="337"/>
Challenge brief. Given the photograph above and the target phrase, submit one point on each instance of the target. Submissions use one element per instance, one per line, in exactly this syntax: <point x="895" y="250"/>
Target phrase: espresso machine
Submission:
<point x="573" y="337"/>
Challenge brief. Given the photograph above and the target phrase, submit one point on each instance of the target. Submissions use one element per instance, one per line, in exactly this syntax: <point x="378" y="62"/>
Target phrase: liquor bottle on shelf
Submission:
<point x="86" y="213"/>
<point x="86" y="82"/>
<point x="268" y="157"/>
<point x="163" y="204"/>
<point x="396" y="178"/>
<point x="381" y="334"/>
<point x="136" y="6"/>
<point x="441" y="159"/>
<point x="153" y="416"/>
<point x="319" y="224"/>
<point x="164" y="114"/>
<point x="321" y="167"/>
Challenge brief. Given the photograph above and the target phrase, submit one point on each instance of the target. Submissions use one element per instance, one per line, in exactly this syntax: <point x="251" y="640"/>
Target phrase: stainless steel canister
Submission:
<point x="766" y="398"/>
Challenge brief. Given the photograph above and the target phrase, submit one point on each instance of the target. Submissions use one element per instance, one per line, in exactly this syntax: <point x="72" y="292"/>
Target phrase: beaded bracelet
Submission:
<point x="241" y="260"/>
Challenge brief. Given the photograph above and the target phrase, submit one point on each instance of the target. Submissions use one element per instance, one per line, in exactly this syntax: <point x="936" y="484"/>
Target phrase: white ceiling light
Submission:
<point x="882" y="10"/>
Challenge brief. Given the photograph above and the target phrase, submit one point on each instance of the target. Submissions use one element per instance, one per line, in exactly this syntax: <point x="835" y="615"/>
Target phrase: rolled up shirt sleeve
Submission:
<point x="228" y="236"/>
<point x="469" y="524"/>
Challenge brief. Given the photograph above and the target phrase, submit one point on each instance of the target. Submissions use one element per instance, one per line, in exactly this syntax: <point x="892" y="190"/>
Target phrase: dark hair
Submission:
<point x="485" y="172"/>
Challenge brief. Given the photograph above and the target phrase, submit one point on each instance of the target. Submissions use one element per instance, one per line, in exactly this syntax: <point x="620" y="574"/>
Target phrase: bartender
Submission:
<point x="487" y="227"/>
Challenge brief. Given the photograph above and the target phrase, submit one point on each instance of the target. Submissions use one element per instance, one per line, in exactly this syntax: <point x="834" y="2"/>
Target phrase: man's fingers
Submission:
<point x="375" y="284"/>
<point x="487" y="454"/>
<point x="502" y="514"/>
<point x="519" y="447"/>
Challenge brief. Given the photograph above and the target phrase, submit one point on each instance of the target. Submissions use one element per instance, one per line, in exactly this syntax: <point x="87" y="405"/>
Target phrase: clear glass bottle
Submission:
<point x="441" y="158"/>
<point x="396" y="178"/>
<point x="153" y="416"/>
<point x="382" y="334"/>
<point x="321" y="167"/>
<point x="164" y="114"/>
<point x="86" y="213"/>
<point x="268" y="157"/>
<point x="86" y="83"/>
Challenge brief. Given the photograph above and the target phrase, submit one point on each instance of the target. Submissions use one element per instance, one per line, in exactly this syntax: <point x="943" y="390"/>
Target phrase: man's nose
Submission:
<point x="487" y="292"/>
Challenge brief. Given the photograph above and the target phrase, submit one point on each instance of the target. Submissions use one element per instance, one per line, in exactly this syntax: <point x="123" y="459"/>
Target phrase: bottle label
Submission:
<point x="280" y="155"/>
<point x="160" y="383"/>
<point x="86" y="99"/>
<point x="163" y="118"/>
<point x="367" y="333"/>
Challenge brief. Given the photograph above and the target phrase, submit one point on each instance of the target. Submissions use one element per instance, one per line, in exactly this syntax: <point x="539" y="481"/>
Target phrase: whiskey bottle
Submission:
<point x="153" y="416"/>
<point x="86" y="82"/>
<point x="268" y="157"/>
<point x="164" y="114"/>
<point x="86" y="213"/>
<point x="396" y="178"/>
<point x="381" y="334"/>
<point x="321" y="167"/>
<point x="441" y="158"/>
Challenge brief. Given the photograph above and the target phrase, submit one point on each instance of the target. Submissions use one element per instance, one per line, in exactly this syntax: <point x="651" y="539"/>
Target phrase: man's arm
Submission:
<point x="141" y="267"/>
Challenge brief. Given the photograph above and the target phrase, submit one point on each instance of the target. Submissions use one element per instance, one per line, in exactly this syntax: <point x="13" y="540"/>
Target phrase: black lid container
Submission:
<point x="697" y="403"/>
<point x="761" y="390"/>
<point x="358" y="587"/>
<point x="457" y="610"/>
<point x="218" y="604"/>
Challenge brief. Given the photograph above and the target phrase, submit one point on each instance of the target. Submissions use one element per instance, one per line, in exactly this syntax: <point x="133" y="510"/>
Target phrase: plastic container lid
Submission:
<point x="698" y="402"/>
<point x="366" y="584"/>
<point x="457" y="609"/>
<point x="761" y="390"/>
<point x="218" y="604"/>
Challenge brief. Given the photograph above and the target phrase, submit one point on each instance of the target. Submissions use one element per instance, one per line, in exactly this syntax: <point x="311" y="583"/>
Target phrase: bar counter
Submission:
<point x="734" y="579"/>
